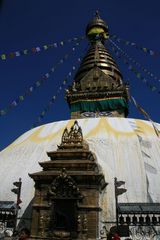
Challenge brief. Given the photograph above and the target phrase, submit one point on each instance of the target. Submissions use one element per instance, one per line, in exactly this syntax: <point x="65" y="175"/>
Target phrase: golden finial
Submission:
<point x="97" y="15"/>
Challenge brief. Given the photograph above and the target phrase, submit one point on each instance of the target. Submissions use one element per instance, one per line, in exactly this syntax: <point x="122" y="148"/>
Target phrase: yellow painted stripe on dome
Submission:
<point x="104" y="126"/>
<point x="144" y="128"/>
<point x="34" y="137"/>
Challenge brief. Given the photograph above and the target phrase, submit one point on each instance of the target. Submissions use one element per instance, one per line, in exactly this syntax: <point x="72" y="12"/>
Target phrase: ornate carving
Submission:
<point x="96" y="79"/>
<point x="85" y="222"/>
<point x="79" y="224"/>
<point x="74" y="136"/>
<point x="82" y="228"/>
<point x="41" y="226"/>
<point x="144" y="232"/>
<point x="64" y="187"/>
<point x="44" y="223"/>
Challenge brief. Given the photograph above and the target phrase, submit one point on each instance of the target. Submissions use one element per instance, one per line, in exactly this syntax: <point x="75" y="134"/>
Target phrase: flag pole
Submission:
<point x="118" y="191"/>
<point x="116" y="202"/>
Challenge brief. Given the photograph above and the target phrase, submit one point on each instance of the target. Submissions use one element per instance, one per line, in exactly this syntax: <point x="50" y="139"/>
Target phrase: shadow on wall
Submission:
<point x="25" y="220"/>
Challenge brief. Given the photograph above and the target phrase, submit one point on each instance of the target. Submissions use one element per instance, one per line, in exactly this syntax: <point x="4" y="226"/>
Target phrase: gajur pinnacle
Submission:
<point x="97" y="29"/>
<point x="98" y="89"/>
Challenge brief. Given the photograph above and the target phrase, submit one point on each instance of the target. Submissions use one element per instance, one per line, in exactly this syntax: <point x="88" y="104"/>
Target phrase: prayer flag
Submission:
<point x="144" y="49"/>
<point x="151" y="53"/>
<point x="33" y="50"/>
<point x="31" y="89"/>
<point x="38" y="83"/>
<point x="11" y="55"/>
<point x="38" y="49"/>
<point x="43" y="113"/>
<point x="17" y="53"/>
<point x="47" y="75"/>
<point x="153" y="88"/>
<point x="138" y="75"/>
<point x="45" y="47"/>
<point x="25" y="52"/>
<point x="21" y="98"/>
<point x="14" y="103"/>
<point x="3" y="56"/>
<point x="2" y="112"/>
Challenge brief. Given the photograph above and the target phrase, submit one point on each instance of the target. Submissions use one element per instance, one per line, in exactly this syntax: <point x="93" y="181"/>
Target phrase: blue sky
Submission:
<point x="25" y="24"/>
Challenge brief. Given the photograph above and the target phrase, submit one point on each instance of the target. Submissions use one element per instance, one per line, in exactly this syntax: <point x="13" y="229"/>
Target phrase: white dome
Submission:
<point x="128" y="149"/>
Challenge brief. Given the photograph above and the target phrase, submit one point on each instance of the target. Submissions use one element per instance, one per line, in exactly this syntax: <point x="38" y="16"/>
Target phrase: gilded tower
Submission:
<point x="98" y="88"/>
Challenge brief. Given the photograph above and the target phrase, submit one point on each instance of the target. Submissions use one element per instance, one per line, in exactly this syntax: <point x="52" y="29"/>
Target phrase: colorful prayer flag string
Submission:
<point x="36" y="85"/>
<point x="34" y="50"/>
<point x="53" y="98"/>
<point x="133" y="44"/>
<point x="134" y="70"/>
<point x="136" y="63"/>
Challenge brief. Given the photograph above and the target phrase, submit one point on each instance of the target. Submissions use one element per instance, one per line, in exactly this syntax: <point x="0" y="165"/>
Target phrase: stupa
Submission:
<point x="71" y="170"/>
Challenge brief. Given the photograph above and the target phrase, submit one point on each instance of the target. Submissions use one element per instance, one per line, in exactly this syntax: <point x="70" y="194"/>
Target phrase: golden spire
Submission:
<point x="98" y="88"/>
